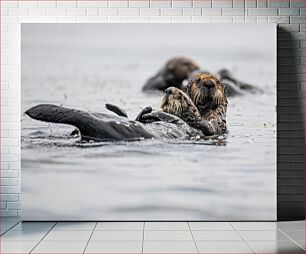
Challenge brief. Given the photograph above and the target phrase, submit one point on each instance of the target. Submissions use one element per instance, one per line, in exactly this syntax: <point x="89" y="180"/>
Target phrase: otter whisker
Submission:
<point x="197" y="96"/>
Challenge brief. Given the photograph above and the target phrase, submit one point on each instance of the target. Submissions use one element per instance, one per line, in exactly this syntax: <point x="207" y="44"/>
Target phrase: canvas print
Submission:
<point x="148" y="121"/>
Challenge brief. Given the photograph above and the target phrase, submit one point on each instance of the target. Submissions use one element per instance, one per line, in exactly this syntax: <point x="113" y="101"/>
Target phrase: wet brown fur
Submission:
<point x="177" y="103"/>
<point x="180" y="68"/>
<point x="173" y="73"/>
<point x="208" y="94"/>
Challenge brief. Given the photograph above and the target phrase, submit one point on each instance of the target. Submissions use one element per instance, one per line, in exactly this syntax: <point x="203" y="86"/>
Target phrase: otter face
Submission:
<point x="177" y="103"/>
<point x="204" y="87"/>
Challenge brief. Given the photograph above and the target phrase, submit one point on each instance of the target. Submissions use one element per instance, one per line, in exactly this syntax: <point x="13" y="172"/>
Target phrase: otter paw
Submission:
<point x="150" y="117"/>
<point x="144" y="111"/>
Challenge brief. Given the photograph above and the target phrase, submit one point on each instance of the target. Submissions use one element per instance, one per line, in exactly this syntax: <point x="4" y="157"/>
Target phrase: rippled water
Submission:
<point x="64" y="179"/>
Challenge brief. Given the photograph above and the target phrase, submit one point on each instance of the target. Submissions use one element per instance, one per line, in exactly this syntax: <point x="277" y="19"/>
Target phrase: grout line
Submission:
<point x="193" y="237"/>
<point x="243" y="238"/>
<point x="232" y="226"/>
<point x="143" y="232"/>
<point x="273" y="225"/>
<point x="10" y="228"/>
<point x="90" y="237"/>
<point x="43" y="237"/>
<point x="290" y="238"/>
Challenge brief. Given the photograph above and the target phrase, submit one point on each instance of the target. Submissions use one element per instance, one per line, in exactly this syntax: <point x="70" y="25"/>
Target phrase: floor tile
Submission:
<point x="63" y="226"/>
<point x="60" y="247"/>
<point x="223" y="247"/>
<point x="114" y="247"/>
<point x="9" y="224"/>
<point x="276" y="247"/>
<point x="17" y="247"/>
<point x="23" y="236"/>
<point x="169" y="247"/>
<point x="253" y="226"/>
<point x="301" y="243"/>
<point x="168" y="236"/>
<point x="166" y="226"/>
<point x="297" y="235"/>
<point x="3" y="230"/>
<point x="120" y="226"/>
<point x="291" y="225"/>
<point x="216" y="236"/>
<point x="211" y="226"/>
<point x="120" y="236"/>
<point x="5" y="226"/>
<point x="68" y="236"/>
<point x="263" y="235"/>
<point x="33" y="226"/>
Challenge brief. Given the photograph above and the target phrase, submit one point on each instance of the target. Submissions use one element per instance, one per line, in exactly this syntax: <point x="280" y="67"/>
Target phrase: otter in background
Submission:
<point x="175" y="71"/>
<point x="178" y="70"/>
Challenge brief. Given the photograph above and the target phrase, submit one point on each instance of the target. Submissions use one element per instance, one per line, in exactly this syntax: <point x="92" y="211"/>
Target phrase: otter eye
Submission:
<point x="198" y="81"/>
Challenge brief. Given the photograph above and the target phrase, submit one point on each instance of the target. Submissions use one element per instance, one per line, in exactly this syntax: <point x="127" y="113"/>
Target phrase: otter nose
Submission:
<point x="209" y="84"/>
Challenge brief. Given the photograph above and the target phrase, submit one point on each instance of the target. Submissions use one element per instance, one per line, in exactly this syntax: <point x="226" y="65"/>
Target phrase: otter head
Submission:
<point x="177" y="103"/>
<point x="173" y="73"/>
<point x="206" y="90"/>
<point x="179" y="68"/>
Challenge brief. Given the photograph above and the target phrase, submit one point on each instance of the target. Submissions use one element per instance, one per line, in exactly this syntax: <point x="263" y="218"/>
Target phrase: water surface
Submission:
<point x="63" y="179"/>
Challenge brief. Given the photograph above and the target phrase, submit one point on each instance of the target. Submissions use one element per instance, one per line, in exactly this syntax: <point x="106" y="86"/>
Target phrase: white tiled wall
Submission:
<point x="290" y="14"/>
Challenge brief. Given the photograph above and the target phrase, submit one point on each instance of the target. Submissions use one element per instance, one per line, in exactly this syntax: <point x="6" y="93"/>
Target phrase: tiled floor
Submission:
<point x="152" y="237"/>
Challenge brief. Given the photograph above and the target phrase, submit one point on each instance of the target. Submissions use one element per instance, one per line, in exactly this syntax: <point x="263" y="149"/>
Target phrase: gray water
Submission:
<point x="64" y="179"/>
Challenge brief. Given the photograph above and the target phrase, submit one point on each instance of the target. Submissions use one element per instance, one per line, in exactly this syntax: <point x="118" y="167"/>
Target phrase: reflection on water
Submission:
<point x="233" y="177"/>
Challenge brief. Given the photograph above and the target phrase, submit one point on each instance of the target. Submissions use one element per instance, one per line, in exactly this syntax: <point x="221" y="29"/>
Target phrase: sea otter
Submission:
<point x="179" y="69"/>
<point x="177" y="103"/>
<point x="206" y="99"/>
<point x="106" y="127"/>
<point x="173" y="73"/>
<point x="208" y="94"/>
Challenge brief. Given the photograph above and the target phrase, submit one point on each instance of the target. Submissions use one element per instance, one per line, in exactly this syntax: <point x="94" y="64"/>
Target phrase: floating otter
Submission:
<point x="176" y="102"/>
<point x="208" y="94"/>
<point x="206" y="101"/>
<point x="106" y="127"/>
<point x="202" y="111"/>
<point x="175" y="71"/>
<point x="179" y="69"/>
